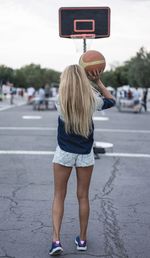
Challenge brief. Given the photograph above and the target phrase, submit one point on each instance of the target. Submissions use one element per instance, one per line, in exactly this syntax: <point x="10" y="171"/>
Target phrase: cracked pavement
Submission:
<point x="119" y="224"/>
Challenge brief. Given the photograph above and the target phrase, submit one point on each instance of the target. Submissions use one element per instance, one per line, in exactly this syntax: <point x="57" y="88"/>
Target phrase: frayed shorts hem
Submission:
<point x="72" y="159"/>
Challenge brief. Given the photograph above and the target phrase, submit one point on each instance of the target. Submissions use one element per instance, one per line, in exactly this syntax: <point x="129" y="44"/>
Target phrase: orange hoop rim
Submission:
<point x="82" y="36"/>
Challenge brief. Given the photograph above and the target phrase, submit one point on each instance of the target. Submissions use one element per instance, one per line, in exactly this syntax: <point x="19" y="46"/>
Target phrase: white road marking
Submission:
<point x="31" y="117"/>
<point x="24" y="152"/>
<point x="13" y="106"/>
<point x="115" y="154"/>
<point x="120" y="130"/>
<point x="29" y="128"/>
<point x="100" y="118"/>
<point x="103" y="144"/>
<point x="4" y="108"/>
<point x="127" y="155"/>
<point x="96" y="129"/>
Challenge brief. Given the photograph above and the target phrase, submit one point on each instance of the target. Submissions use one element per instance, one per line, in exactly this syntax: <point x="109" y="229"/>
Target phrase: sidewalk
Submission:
<point x="18" y="101"/>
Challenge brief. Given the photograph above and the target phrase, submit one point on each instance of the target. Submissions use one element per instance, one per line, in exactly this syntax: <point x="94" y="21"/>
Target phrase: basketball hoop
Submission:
<point x="82" y="45"/>
<point x="84" y="23"/>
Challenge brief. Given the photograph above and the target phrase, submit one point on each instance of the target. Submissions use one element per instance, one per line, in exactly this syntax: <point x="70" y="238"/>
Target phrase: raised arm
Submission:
<point x="108" y="98"/>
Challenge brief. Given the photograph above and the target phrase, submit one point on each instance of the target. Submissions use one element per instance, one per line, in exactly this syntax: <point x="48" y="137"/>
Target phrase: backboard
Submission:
<point x="88" y="21"/>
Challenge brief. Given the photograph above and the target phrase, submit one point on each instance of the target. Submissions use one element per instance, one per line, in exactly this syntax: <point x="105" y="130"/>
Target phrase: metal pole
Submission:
<point x="84" y="45"/>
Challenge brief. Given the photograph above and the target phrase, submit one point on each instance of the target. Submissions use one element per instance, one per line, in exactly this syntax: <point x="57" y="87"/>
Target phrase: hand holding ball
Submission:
<point x="92" y="61"/>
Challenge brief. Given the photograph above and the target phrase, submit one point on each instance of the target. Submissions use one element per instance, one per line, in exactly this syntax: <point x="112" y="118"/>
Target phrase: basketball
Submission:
<point x="92" y="60"/>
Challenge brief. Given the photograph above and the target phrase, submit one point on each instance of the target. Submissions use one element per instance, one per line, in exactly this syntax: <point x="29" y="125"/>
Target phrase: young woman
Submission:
<point x="77" y="102"/>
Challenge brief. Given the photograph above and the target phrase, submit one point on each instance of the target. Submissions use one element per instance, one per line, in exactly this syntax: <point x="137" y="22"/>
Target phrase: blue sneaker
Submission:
<point x="56" y="248"/>
<point x="81" y="245"/>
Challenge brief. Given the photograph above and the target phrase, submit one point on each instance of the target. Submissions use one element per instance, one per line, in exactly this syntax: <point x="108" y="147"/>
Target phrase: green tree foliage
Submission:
<point x="19" y="78"/>
<point x="6" y="74"/>
<point x="34" y="75"/>
<point x="139" y="69"/>
<point x="108" y="78"/>
<point x="134" y="72"/>
<point x="116" y="77"/>
<point x="29" y="75"/>
<point x="51" y="76"/>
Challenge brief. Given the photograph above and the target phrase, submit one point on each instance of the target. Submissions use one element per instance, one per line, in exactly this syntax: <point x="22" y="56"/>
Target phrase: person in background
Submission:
<point x="144" y="99"/>
<point x="12" y="92"/>
<point x="136" y="100"/>
<point x="130" y="96"/>
<point x="76" y="104"/>
<point x="30" y="93"/>
<point x="5" y="90"/>
<point x="41" y="97"/>
<point x="47" y="95"/>
<point x="22" y="92"/>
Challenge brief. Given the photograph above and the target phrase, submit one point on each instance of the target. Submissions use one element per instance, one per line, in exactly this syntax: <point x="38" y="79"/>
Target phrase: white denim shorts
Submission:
<point x="72" y="159"/>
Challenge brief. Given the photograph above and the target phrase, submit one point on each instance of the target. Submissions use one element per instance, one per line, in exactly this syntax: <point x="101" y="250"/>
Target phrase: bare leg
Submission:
<point x="61" y="176"/>
<point x="83" y="183"/>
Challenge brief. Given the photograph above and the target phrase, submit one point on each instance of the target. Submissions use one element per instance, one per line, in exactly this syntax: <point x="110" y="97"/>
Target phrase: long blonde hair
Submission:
<point x="77" y="100"/>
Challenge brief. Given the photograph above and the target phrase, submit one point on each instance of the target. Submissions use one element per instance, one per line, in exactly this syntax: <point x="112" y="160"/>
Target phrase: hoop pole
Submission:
<point x="84" y="45"/>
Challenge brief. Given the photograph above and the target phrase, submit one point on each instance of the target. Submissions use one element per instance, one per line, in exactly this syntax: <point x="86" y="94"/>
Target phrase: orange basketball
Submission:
<point x="92" y="60"/>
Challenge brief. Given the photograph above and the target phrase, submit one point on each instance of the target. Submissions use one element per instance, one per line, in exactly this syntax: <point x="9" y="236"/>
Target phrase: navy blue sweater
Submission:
<point x="74" y="143"/>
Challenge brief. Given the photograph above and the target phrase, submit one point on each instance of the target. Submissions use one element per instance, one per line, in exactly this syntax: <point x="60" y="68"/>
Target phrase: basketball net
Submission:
<point x="82" y="42"/>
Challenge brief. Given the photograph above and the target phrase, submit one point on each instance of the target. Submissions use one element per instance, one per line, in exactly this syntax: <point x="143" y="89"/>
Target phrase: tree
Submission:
<point x="51" y="76"/>
<point x="139" y="69"/>
<point x="109" y="79"/>
<point x="20" y="78"/>
<point x="34" y="75"/>
<point x="134" y="72"/>
<point x="6" y="74"/>
<point x="116" y="77"/>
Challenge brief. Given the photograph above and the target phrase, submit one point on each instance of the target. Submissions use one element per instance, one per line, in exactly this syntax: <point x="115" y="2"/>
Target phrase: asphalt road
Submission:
<point x="119" y="224"/>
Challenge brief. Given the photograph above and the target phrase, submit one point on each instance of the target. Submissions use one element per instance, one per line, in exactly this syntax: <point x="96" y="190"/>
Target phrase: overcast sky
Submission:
<point x="29" y="32"/>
